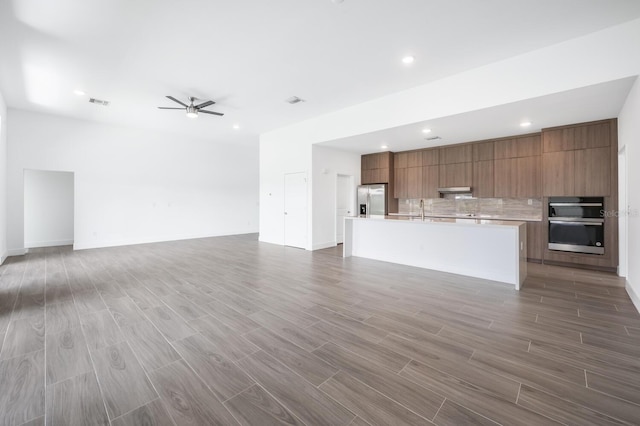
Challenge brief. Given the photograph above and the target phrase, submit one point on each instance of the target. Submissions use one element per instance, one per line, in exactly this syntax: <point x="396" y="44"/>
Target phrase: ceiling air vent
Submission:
<point x="99" y="102"/>
<point x="294" y="100"/>
<point x="433" y="138"/>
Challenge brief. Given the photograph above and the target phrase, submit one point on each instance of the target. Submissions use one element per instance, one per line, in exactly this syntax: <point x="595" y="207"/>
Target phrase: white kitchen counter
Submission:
<point x="489" y="249"/>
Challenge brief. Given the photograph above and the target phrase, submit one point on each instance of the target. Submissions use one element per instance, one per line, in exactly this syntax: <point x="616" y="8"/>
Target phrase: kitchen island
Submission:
<point x="488" y="249"/>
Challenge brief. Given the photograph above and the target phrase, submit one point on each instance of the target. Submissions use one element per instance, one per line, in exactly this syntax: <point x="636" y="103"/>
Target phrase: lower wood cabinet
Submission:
<point x="535" y="248"/>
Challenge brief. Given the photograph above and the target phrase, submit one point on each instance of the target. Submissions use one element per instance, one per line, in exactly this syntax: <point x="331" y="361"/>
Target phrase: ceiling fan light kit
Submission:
<point x="191" y="109"/>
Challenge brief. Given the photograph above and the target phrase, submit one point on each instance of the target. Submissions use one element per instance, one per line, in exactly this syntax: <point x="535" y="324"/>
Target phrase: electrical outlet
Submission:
<point x="530" y="202"/>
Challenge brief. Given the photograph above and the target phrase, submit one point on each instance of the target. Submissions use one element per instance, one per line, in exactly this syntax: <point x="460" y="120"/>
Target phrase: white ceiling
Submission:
<point x="574" y="106"/>
<point x="250" y="55"/>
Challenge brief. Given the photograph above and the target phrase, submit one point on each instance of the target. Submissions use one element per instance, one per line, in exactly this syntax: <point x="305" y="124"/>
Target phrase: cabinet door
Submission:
<point x="558" y="173"/>
<point x="400" y="186"/>
<point x="366" y="177"/>
<point x="414" y="182"/>
<point x="414" y="159"/>
<point x="431" y="157"/>
<point x="430" y="181"/>
<point x="459" y="174"/>
<point x="483" y="185"/>
<point x="505" y="177"/>
<point x="528" y="177"/>
<point x="400" y="160"/>
<point x="534" y="240"/>
<point x="483" y="151"/>
<point x="557" y="140"/>
<point x="456" y="154"/>
<point x="593" y="171"/>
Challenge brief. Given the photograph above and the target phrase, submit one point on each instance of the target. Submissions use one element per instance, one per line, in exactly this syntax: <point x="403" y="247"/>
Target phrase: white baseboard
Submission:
<point x="324" y="245"/>
<point x="131" y="242"/>
<point x="4" y="257"/>
<point x="632" y="294"/>
<point x="17" y="252"/>
<point x="56" y="243"/>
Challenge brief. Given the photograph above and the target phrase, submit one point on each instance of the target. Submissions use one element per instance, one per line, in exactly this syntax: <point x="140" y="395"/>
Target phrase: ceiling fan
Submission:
<point x="193" y="110"/>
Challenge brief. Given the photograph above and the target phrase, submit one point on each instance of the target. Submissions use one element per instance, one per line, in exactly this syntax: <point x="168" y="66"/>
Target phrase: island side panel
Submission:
<point x="476" y="250"/>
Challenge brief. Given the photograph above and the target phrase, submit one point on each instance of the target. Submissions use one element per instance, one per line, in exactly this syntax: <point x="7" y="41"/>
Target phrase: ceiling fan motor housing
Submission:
<point x="192" y="111"/>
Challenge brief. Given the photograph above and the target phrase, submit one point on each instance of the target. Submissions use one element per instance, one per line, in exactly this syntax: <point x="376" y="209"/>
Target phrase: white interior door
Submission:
<point x="295" y="210"/>
<point x="344" y="204"/>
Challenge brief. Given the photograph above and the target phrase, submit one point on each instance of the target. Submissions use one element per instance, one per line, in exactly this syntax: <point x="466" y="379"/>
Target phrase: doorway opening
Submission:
<point x="345" y="198"/>
<point x="48" y="208"/>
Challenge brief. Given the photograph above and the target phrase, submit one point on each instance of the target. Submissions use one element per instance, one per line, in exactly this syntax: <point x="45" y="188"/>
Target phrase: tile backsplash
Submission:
<point x="525" y="208"/>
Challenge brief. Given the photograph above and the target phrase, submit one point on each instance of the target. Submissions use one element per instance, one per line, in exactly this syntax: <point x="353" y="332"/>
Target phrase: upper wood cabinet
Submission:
<point x="483" y="151"/>
<point x="458" y="174"/>
<point x="582" y="136"/>
<point x="456" y="154"/>
<point x="376" y="168"/>
<point x="558" y="173"/>
<point x="577" y="160"/>
<point x="431" y="157"/>
<point x="430" y="181"/>
<point x="483" y="179"/>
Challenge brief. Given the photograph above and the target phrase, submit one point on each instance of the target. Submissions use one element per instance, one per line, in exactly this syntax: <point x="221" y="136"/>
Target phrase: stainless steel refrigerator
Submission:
<point x="372" y="200"/>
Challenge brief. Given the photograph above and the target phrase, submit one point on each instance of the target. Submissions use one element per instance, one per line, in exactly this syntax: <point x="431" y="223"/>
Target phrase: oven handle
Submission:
<point x="566" y="222"/>
<point x="576" y="204"/>
<point x="576" y="219"/>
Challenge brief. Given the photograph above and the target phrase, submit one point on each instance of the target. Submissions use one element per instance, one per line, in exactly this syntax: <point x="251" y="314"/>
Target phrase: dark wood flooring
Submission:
<point x="227" y="331"/>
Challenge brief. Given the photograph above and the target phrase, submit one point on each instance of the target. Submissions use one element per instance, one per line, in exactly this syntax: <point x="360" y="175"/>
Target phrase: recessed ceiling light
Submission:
<point x="236" y="126"/>
<point x="407" y="60"/>
<point x="384" y="147"/>
<point x="79" y="92"/>
<point x="525" y="124"/>
<point x="337" y="1"/>
<point x="426" y="130"/>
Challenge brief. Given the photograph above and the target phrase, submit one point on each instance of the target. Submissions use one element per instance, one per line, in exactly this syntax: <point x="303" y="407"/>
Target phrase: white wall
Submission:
<point x="629" y="137"/>
<point x="327" y="164"/>
<point x="3" y="179"/>
<point x="595" y="58"/>
<point x="132" y="185"/>
<point x="278" y="157"/>
<point x="48" y="208"/>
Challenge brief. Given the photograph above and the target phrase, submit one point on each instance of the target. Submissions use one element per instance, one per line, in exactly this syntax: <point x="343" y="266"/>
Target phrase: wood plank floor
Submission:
<point x="228" y="331"/>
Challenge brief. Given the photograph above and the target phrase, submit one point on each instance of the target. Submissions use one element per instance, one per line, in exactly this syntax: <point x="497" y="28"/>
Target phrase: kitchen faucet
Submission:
<point x="421" y="209"/>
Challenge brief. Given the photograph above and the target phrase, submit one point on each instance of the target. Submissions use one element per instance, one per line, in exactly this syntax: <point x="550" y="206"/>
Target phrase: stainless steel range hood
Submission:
<point x="455" y="190"/>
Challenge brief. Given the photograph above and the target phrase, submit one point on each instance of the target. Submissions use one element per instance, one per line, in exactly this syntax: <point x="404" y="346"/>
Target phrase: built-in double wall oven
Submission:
<point x="576" y="224"/>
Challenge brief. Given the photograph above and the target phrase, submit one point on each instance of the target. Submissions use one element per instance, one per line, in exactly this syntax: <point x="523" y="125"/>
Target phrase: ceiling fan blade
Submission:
<point x="205" y="104"/>
<point x="170" y="108"/>
<point x="175" y="100"/>
<point x="211" y="112"/>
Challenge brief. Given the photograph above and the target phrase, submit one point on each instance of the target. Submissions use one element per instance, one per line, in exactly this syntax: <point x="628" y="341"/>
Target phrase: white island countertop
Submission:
<point x="481" y="248"/>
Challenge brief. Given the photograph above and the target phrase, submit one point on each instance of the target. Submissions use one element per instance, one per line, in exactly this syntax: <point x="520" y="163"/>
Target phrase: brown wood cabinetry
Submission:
<point x="518" y="167"/>
<point x="376" y="168"/>
<point x="482" y="184"/>
<point x="459" y="174"/>
<point x="430" y="181"/>
<point x="581" y="160"/>
<point x="577" y="160"/>
<point x="534" y="241"/>
<point x="456" y="154"/>
<point x="400" y="186"/>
